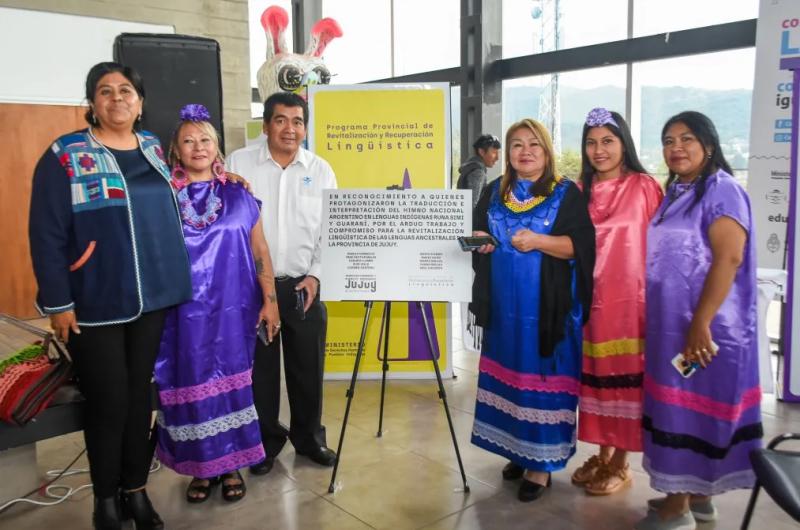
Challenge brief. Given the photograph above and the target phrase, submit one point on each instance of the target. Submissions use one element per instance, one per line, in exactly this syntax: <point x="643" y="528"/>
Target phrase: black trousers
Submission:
<point x="303" y="342"/>
<point x="114" y="365"/>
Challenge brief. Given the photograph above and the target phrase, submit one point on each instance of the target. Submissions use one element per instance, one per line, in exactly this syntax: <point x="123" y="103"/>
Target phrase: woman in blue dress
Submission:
<point x="532" y="293"/>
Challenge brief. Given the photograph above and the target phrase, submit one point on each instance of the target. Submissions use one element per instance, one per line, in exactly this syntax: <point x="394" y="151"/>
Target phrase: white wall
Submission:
<point x="46" y="55"/>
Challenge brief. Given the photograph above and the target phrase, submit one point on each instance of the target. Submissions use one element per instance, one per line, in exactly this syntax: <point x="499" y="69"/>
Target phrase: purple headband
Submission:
<point x="599" y="117"/>
<point x="195" y="112"/>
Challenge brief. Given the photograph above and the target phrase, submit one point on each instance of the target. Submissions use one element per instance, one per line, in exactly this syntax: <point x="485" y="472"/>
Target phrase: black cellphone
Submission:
<point x="300" y="303"/>
<point x="469" y="243"/>
<point x="261" y="332"/>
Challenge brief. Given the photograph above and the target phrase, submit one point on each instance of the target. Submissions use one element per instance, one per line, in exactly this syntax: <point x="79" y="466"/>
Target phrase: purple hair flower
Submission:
<point x="195" y="112"/>
<point x="599" y="116"/>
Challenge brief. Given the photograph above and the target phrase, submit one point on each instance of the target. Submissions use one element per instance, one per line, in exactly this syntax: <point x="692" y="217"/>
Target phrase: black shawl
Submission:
<point x="555" y="298"/>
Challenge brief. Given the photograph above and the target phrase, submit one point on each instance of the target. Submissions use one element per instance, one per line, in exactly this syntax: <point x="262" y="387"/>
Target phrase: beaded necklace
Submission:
<point x="190" y="215"/>
<point x="519" y="206"/>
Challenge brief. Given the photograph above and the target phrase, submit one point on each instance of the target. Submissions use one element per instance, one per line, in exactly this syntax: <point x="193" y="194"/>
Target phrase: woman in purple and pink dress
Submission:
<point x="208" y="427"/>
<point x="699" y="426"/>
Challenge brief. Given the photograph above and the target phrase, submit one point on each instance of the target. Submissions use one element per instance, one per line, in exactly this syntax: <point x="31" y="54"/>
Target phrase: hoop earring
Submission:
<point x="179" y="178"/>
<point x="218" y="169"/>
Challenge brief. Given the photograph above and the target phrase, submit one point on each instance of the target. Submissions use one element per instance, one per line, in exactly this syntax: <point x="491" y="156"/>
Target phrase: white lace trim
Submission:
<point x="664" y="483"/>
<point x="548" y="417"/>
<point x="527" y="450"/>
<point x="198" y="431"/>
<point x="631" y="410"/>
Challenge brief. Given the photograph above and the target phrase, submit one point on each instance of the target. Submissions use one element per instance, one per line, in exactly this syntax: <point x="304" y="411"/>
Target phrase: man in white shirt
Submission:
<point x="289" y="181"/>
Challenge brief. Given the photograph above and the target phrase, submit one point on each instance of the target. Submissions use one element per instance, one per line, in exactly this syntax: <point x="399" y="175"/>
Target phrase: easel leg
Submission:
<point x="442" y="393"/>
<point x="350" y="392"/>
<point x="387" y="318"/>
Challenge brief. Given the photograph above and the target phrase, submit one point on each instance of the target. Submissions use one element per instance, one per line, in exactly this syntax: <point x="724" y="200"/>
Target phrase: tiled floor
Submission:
<point x="407" y="479"/>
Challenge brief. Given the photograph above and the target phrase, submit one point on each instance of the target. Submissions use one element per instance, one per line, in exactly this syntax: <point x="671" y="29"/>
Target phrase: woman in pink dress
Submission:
<point x="622" y="200"/>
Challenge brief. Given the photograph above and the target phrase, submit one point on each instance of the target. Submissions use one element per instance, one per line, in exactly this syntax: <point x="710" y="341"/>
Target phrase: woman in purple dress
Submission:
<point x="702" y="413"/>
<point x="208" y="426"/>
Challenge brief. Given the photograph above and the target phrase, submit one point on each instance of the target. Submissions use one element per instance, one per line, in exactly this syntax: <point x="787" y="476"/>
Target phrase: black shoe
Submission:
<point x="136" y="505"/>
<point x="106" y="514"/>
<point x="322" y="456"/>
<point x="263" y="467"/>
<point x="512" y="471"/>
<point x="530" y="491"/>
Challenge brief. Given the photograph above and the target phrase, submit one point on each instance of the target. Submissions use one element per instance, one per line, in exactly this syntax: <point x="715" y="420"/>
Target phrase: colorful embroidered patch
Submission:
<point x="98" y="193"/>
<point x="114" y="188"/>
<point x="83" y="162"/>
<point x="64" y="160"/>
<point x="94" y="190"/>
<point x="87" y="162"/>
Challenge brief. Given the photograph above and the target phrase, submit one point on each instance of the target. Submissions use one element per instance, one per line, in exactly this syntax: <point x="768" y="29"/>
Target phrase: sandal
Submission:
<point x="609" y="480"/>
<point x="198" y="492"/>
<point x="584" y="474"/>
<point x="233" y="492"/>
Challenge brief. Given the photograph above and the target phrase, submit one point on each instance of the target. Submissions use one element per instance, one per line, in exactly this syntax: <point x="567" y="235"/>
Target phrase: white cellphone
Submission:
<point x="686" y="368"/>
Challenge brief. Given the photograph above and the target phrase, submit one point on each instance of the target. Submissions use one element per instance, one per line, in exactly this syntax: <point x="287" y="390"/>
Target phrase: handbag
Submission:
<point x="30" y="376"/>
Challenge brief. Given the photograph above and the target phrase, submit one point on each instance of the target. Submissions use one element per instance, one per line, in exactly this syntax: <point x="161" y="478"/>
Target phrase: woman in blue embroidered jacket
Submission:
<point x="109" y="258"/>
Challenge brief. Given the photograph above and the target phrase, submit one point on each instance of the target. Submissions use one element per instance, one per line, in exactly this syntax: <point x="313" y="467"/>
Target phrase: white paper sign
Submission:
<point x="398" y="245"/>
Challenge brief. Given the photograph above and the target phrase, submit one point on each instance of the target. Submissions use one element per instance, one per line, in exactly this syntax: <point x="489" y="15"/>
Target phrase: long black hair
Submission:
<point x="630" y="160"/>
<point x="96" y="74"/>
<point x="703" y="129"/>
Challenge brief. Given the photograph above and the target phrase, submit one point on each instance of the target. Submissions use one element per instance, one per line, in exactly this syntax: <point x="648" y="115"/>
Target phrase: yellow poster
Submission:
<point x="376" y="136"/>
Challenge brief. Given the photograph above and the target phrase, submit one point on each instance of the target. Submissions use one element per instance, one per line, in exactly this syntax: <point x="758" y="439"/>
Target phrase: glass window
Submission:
<point x="706" y="83"/>
<point x="533" y="26"/>
<point x="657" y="16"/>
<point x="561" y="102"/>
<point x="256" y="110"/>
<point x="363" y="53"/>
<point x="427" y="35"/>
<point x="521" y="99"/>
<point x="258" y="38"/>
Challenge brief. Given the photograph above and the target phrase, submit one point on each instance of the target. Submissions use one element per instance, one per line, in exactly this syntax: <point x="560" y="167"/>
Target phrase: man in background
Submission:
<point x="472" y="174"/>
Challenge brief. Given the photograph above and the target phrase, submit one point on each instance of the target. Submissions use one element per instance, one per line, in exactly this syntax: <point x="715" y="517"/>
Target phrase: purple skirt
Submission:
<point x="207" y="420"/>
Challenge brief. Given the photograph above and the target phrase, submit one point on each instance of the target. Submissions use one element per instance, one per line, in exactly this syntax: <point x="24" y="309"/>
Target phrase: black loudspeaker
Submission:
<point x="176" y="70"/>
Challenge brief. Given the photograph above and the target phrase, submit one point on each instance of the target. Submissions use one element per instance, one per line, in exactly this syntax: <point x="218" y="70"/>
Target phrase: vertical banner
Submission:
<point x="777" y="37"/>
<point x="376" y="136"/>
<point x="791" y="331"/>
